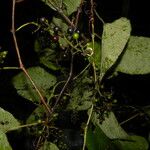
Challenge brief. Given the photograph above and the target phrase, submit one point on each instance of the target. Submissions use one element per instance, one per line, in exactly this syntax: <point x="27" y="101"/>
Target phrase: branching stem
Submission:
<point x="68" y="80"/>
<point x="20" y="60"/>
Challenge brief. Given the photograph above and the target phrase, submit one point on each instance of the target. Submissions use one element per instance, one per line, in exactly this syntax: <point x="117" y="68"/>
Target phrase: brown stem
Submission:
<point x="78" y="13"/>
<point x="66" y="18"/>
<point x="64" y="87"/>
<point x="20" y="60"/>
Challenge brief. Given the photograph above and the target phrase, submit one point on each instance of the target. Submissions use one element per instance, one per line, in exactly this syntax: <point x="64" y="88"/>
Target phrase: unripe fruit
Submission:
<point x="75" y="36"/>
<point x="39" y="121"/>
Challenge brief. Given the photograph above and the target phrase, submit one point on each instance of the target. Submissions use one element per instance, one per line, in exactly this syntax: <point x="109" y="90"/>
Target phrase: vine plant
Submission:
<point x="60" y="84"/>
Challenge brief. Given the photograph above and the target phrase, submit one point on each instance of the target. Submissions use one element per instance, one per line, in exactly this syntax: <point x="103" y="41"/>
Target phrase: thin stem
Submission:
<point x="66" y="18"/>
<point x="20" y="60"/>
<point x="64" y="87"/>
<point x="132" y="117"/>
<point x="9" y="68"/>
<point x="81" y="72"/>
<point x="86" y="127"/>
<point x="52" y="93"/>
<point x="60" y="11"/>
<point x="78" y="14"/>
<point x="26" y="24"/>
<point x="98" y="16"/>
<point x="14" y="36"/>
<point x="93" y="37"/>
<point x="37" y="90"/>
<point x="74" y="47"/>
<point x="25" y="126"/>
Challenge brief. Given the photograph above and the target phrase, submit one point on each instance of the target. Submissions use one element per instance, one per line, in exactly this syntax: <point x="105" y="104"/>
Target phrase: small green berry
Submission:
<point x="75" y="36"/>
<point x="39" y="121"/>
<point x="39" y="132"/>
<point x="64" y="97"/>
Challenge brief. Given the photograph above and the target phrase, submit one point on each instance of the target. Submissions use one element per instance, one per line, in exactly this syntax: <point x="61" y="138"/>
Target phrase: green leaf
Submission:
<point x="67" y="6"/>
<point x="43" y="80"/>
<point x="114" y="38"/>
<point x="7" y="121"/>
<point x="80" y="101"/>
<point x="97" y="140"/>
<point x="110" y="126"/>
<point x="49" y="146"/>
<point x="4" y="144"/>
<point x="63" y="26"/>
<point x="37" y="114"/>
<point x="132" y="143"/>
<point x="47" y="59"/>
<point x="53" y="4"/>
<point x="71" y="5"/>
<point x="60" y="23"/>
<point x="96" y="54"/>
<point x="136" y="59"/>
<point x="81" y="96"/>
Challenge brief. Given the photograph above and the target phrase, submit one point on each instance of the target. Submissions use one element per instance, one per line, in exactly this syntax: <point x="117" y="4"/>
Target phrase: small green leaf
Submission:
<point x="132" y="143"/>
<point x="49" y="146"/>
<point x="7" y="121"/>
<point x="136" y="59"/>
<point x="43" y="80"/>
<point x="4" y="144"/>
<point x="114" y="38"/>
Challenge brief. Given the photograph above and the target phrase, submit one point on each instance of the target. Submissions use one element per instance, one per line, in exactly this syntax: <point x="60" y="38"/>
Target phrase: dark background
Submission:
<point x="132" y="90"/>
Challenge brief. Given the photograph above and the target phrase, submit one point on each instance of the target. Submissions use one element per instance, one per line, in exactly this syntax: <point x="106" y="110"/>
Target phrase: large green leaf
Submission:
<point x="110" y="126"/>
<point x="4" y="144"/>
<point x="136" y="59"/>
<point x="132" y="143"/>
<point x="114" y="38"/>
<point x="49" y="146"/>
<point x="97" y="140"/>
<point x="43" y="80"/>
<point x="7" y="121"/>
